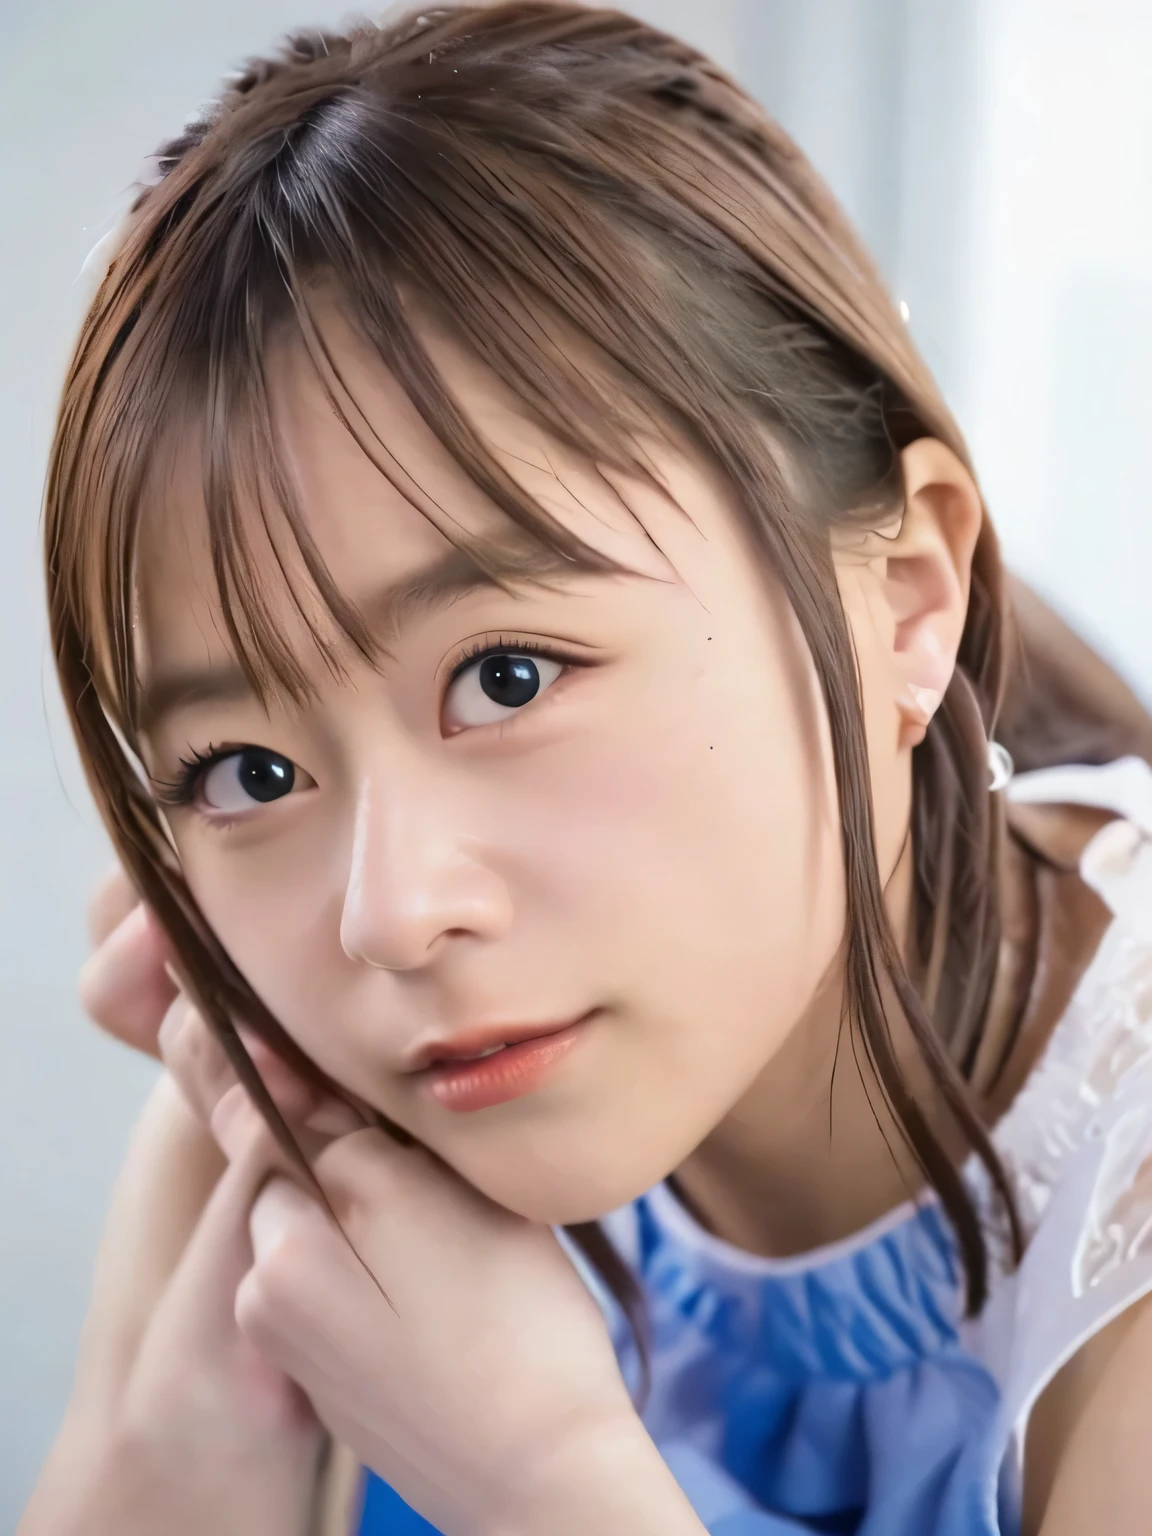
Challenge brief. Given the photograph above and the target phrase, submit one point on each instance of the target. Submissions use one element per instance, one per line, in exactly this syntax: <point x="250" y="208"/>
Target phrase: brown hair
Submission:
<point x="517" y="165"/>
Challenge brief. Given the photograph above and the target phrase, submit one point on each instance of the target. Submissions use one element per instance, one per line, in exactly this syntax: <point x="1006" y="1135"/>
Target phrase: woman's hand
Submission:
<point x="125" y="986"/>
<point x="449" y="1343"/>
<point x="456" y="1350"/>
<point x="176" y="1423"/>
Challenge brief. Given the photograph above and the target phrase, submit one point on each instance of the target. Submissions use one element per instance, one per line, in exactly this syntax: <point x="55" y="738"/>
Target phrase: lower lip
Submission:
<point x="463" y="1086"/>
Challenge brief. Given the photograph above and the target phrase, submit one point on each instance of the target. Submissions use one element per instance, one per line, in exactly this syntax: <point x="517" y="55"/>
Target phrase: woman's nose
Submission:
<point x="414" y="878"/>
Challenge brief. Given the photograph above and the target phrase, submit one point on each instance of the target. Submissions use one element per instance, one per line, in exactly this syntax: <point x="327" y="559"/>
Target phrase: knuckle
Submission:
<point x="363" y="1171"/>
<point x="269" y="1301"/>
<point x="260" y="1145"/>
<point x="238" y="1125"/>
<point x="192" y="1054"/>
<point x="129" y="1443"/>
<point x="252" y="1310"/>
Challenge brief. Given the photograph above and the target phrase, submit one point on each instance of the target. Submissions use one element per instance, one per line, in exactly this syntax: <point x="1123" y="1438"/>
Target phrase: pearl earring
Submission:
<point x="1000" y="767"/>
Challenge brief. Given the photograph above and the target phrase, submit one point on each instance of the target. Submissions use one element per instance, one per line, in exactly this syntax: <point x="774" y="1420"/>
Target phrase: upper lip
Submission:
<point x="471" y="1041"/>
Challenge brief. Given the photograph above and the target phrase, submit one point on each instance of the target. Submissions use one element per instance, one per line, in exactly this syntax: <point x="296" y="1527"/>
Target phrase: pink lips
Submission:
<point x="509" y="1073"/>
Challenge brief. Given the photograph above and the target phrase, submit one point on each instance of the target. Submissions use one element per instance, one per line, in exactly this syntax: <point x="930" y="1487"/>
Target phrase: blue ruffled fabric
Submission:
<point x="833" y="1392"/>
<point x="829" y="1396"/>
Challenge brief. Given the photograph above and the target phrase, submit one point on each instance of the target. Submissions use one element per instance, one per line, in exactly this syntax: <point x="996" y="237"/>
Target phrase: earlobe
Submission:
<point x="924" y="661"/>
<point x="921" y="703"/>
<point x="916" y="706"/>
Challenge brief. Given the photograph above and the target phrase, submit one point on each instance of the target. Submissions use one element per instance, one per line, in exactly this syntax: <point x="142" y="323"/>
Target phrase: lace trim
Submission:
<point x="1101" y="1046"/>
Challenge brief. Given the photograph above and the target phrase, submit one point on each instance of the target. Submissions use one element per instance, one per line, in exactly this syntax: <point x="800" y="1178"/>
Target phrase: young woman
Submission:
<point x="537" y="644"/>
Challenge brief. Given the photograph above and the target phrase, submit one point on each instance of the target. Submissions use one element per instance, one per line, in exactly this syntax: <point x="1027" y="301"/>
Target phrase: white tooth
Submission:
<point x="479" y="1055"/>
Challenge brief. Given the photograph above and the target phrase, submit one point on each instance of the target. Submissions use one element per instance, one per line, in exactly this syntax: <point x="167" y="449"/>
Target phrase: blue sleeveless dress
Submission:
<point x="843" y="1391"/>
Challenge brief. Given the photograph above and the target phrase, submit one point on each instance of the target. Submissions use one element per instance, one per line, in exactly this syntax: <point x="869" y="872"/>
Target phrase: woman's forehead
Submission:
<point x="379" y="497"/>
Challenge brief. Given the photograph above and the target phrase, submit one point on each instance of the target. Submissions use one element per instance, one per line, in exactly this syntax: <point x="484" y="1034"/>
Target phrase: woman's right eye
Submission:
<point x="253" y="776"/>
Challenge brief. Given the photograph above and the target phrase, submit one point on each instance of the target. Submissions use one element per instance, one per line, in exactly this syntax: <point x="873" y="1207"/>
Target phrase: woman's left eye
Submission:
<point x="494" y="686"/>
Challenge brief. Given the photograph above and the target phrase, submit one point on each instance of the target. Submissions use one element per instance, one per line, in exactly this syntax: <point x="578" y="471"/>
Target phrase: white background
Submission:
<point x="997" y="153"/>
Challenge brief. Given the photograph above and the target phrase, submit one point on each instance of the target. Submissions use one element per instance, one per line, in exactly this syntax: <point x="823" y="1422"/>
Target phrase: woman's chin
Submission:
<point x="560" y="1200"/>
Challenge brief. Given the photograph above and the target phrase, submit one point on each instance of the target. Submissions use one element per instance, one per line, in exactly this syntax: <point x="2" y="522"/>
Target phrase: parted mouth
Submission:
<point x="486" y="1040"/>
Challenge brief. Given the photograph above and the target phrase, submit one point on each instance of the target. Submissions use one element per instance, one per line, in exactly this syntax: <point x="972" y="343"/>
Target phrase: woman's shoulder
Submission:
<point x="1076" y="1138"/>
<point x="1096" y="939"/>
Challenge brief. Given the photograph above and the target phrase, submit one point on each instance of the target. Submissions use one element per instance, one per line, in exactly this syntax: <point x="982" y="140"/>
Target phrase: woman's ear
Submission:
<point x="928" y="576"/>
<point x="924" y="574"/>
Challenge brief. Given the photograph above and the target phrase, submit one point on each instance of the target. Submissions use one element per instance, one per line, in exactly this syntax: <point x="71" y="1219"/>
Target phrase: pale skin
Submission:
<point x="644" y="839"/>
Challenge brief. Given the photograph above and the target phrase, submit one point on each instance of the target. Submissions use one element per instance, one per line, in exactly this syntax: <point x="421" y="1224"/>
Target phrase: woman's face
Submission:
<point x="620" y="826"/>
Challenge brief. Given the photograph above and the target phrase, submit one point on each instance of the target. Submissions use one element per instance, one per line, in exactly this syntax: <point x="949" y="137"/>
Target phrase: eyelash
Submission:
<point x="503" y="647"/>
<point x="182" y="789"/>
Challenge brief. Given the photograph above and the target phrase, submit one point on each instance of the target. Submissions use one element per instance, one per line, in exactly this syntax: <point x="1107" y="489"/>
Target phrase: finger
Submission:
<point x="360" y="1168"/>
<point x="171" y="1168"/>
<point x="282" y="1211"/>
<point x="243" y="1134"/>
<point x="303" y="1302"/>
<point x="278" y="1209"/>
<point x="112" y="898"/>
<point x="368" y="1171"/>
<point x="195" y="1057"/>
<point x="195" y="1319"/>
<point x="124" y="987"/>
<point x="194" y="1367"/>
<point x="305" y="1289"/>
<point x="236" y="1121"/>
<point x="200" y="1300"/>
<point x="193" y="1344"/>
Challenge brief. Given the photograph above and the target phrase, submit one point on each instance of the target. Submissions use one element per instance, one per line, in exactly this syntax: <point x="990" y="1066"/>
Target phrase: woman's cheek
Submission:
<point x="270" y="905"/>
<point x="704" y="857"/>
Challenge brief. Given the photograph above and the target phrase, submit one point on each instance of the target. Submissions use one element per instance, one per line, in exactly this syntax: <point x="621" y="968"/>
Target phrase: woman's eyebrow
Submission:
<point x="450" y="576"/>
<point x="223" y="683"/>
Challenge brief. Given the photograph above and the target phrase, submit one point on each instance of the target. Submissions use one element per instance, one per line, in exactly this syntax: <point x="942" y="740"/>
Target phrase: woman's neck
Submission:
<point x="812" y="1153"/>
